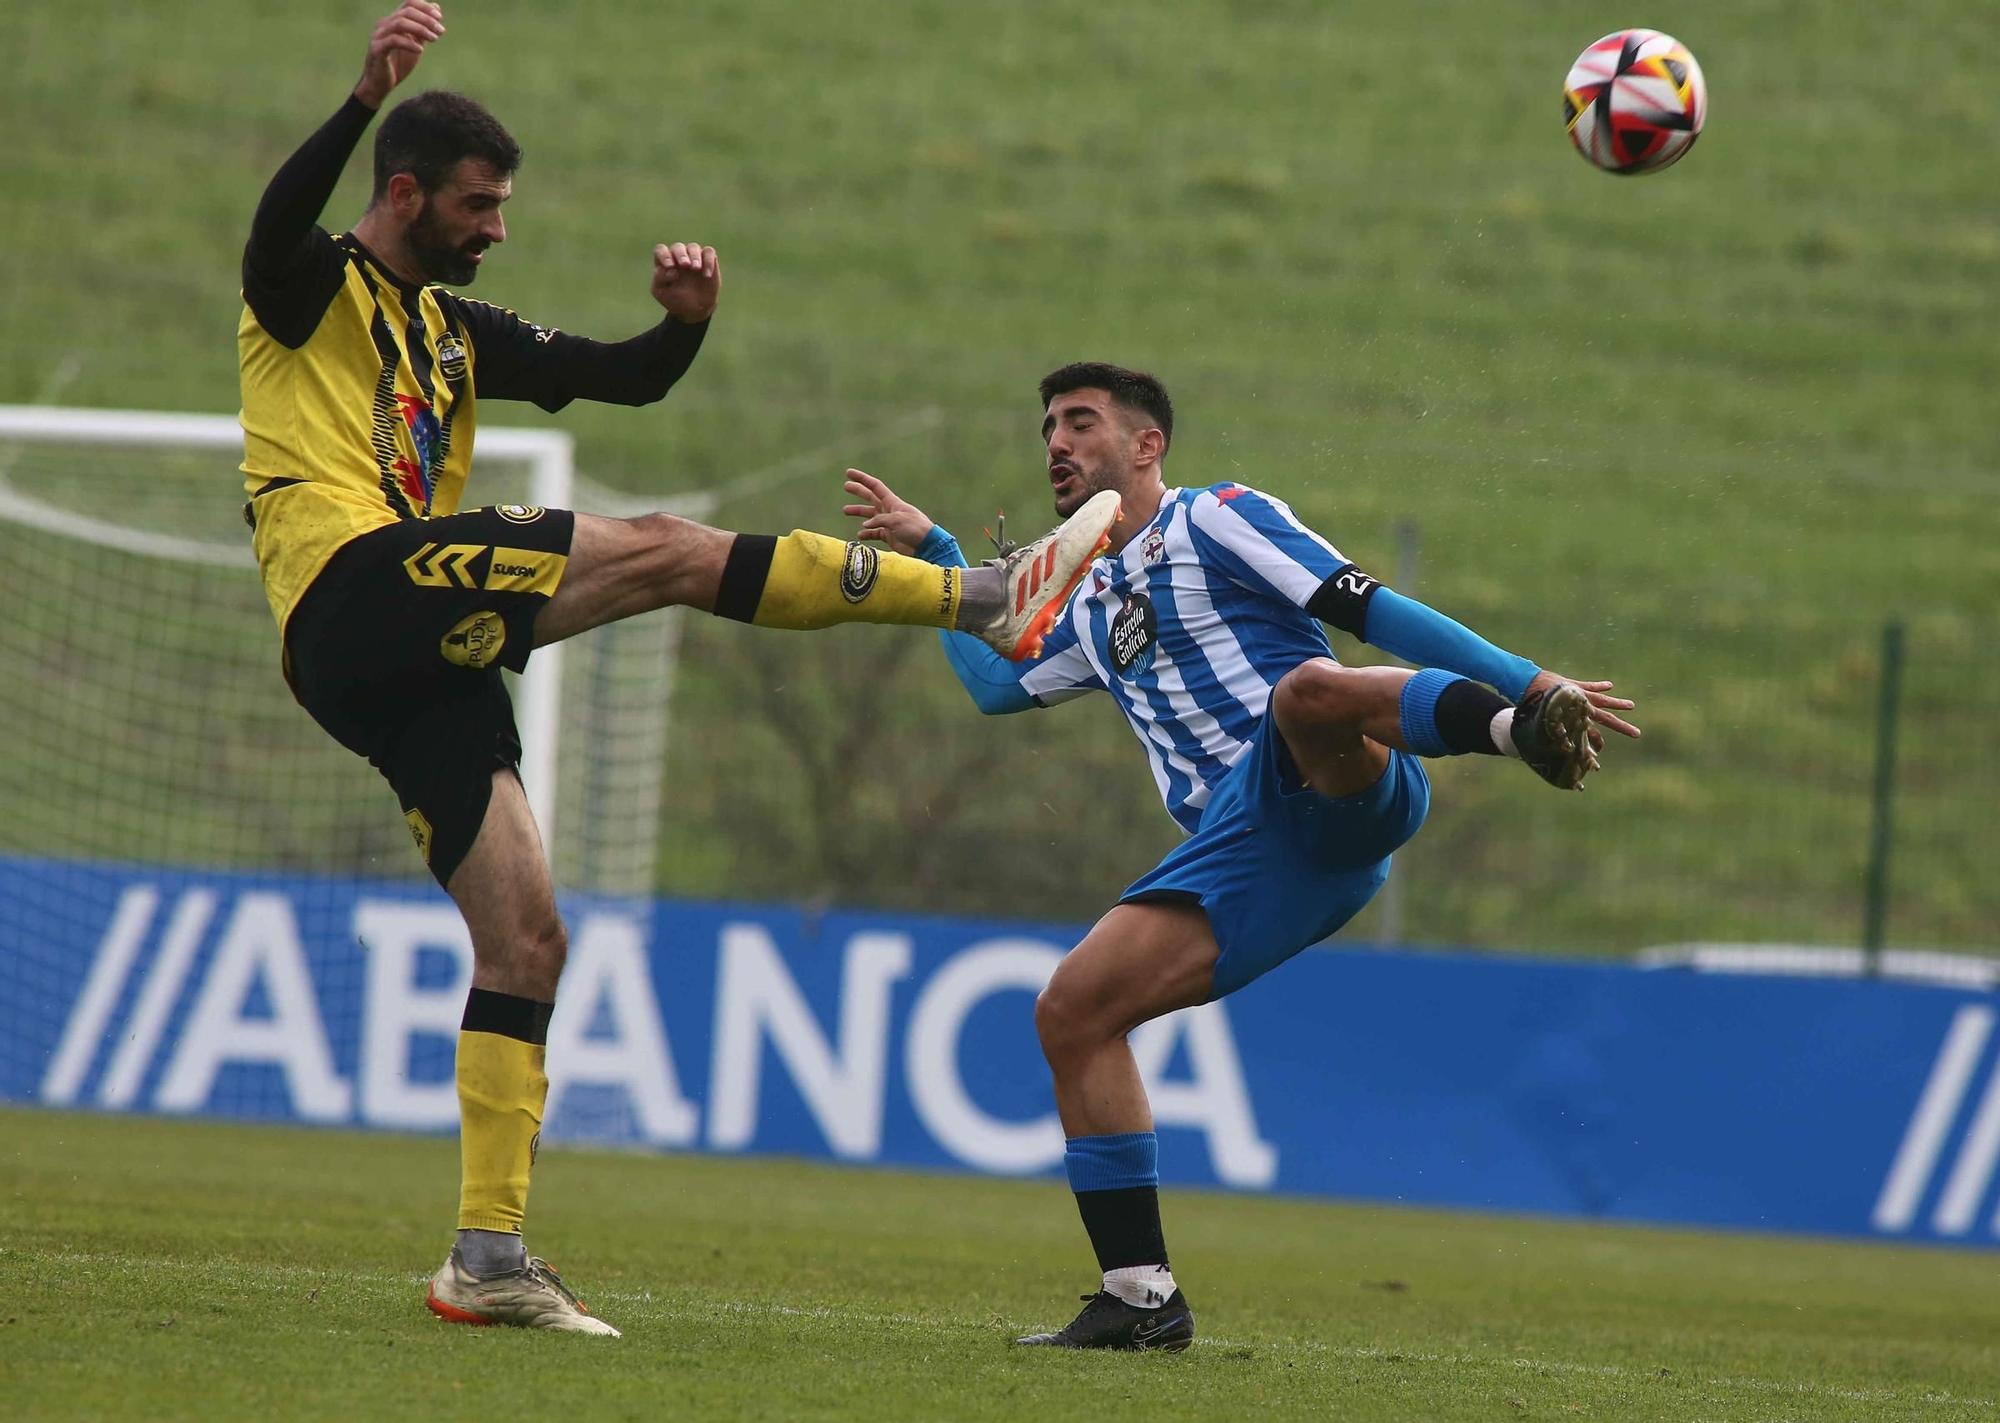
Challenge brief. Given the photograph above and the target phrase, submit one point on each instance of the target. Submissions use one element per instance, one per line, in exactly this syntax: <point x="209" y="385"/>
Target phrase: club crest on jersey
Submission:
<point x="858" y="571"/>
<point x="451" y="357"/>
<point x="1134" y="635"/>
<point x="519" y="513"/>
<point x="1155" y="547"/>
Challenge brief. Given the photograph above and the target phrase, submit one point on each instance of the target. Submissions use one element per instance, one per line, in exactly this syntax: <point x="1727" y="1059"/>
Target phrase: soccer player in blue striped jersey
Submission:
<point x="1295" y="778"/>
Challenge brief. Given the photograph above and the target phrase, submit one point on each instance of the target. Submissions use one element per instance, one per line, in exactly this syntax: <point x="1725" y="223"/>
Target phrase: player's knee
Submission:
<point x="1062" y="1021"/>
<point x="1320" y="691"/>
<point x="684" y="556"/>
<point x="548" y="944"/>
<point x="1050" y="1023"/>
<point x="660" y="528"/>
<point x="658" y="538"/>
<point x="533" y="953"/>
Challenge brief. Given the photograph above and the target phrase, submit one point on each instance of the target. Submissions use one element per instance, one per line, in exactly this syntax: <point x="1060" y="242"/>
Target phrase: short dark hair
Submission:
<point x="1135" y="390"/>
<point x="427" y="136"/>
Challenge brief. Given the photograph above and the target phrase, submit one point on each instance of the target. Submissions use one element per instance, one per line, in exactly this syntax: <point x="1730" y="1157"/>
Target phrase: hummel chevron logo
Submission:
<point x="438" y="565"/>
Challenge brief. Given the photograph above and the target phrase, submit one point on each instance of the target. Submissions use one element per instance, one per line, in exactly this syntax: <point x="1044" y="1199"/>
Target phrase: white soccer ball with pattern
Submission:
<point x="1634" y="101"/>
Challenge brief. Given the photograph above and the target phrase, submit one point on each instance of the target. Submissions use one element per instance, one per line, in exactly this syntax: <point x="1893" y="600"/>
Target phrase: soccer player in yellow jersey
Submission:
<point x="362" y="380"/>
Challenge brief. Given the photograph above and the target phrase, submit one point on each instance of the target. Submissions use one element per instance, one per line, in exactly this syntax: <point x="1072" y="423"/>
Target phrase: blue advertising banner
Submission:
<point x="1834" y="1106"/>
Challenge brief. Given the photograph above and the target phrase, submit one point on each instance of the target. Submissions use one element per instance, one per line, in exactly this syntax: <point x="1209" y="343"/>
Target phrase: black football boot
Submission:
<point x="1552" y="732"/>
<point x="1107" y="1322"/>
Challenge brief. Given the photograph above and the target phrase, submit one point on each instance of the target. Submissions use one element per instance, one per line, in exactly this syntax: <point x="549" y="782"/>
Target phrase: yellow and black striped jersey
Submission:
<point x="360" y="391"/>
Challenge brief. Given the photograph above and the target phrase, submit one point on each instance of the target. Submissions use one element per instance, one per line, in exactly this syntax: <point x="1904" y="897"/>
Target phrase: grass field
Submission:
<point x="1703" y="432"/>
<point x="178" y="1270"/>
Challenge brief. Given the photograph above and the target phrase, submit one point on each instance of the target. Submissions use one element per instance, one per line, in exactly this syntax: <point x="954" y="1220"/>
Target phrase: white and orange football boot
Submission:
<point x="1040" y="576"/>
<point x="532" y="1297"/>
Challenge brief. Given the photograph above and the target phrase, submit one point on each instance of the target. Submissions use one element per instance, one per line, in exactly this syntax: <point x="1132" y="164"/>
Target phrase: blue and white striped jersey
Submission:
<point x="1189" y="628"/>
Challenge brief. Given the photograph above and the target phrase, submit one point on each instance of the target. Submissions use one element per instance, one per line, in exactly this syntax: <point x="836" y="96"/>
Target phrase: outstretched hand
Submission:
<point x="687" y="279"/>
<point x="886" y="517"/>
<point x="395" y="47"/>
<point x="1603" y="706"/>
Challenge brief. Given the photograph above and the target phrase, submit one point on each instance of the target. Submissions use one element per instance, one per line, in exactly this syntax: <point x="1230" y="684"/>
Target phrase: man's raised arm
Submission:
<point x="284" y="270"/>
<point x="519" y="360"/>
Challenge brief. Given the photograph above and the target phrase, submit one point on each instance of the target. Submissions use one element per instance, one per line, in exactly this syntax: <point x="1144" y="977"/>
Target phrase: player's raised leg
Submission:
<point x="1140" y="961"/>
<point x="620" y="567"/>
<point x="1339" y="723"/>
<point x="518" y="947"/>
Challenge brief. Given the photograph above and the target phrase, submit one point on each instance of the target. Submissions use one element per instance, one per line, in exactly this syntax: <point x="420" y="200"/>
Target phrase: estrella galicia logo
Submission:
<point x="451" y="357"/>
<point x="858" y="571"/>
<point x="1134" y="635"/>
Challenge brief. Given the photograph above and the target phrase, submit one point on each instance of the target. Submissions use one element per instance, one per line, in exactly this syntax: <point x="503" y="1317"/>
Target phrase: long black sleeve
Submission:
<point x="290" y="266"/>
<point x="518" y="360"/>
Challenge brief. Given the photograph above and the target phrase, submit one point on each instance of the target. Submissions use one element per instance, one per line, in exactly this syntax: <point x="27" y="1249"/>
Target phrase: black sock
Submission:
<point x="1124" y="1226"/>
<point x="743" y="575"/>
<point x="1465" y="712"/>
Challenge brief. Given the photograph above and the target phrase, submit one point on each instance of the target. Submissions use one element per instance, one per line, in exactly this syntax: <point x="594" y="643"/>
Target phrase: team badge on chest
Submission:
<point x="451" y="357"/>
<point x="1155" y="547"/>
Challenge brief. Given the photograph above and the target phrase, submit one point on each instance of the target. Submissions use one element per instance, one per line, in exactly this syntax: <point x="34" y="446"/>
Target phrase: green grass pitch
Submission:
<point x="190" y="1270"/>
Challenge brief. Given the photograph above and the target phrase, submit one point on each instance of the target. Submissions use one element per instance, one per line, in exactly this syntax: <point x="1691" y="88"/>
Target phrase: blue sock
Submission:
<point x="1419" y="709"/>
<point x="1444" y="714"/>
<point x="1112" y="1163"/>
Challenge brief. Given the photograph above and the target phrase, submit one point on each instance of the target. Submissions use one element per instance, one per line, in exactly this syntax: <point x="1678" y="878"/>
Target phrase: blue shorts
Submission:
<point x="1278" y="866"/>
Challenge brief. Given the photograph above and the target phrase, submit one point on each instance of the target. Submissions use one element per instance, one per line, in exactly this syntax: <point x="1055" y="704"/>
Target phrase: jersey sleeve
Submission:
<point x="514" y="359"/>
<point x="1421" y="635"/>
<point x="291" y="268"/>
<point x="1258" y="542"/>
<point x="1063" y="671"/>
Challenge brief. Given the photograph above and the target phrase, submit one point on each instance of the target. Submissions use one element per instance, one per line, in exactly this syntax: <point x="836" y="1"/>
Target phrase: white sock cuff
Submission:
<point x="1147" y="1286"/>
<point x="1502" y="732"/>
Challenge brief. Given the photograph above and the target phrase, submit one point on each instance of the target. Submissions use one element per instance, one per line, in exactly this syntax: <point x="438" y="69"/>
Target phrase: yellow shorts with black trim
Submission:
<point x="396" y="650"/>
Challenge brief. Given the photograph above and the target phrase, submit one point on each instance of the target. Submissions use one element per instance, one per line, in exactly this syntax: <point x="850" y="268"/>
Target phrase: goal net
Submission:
<point x="150" y="738"/>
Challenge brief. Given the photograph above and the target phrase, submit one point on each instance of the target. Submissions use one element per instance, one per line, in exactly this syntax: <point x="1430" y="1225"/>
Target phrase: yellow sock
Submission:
<point x="501" y="1090"/>
<point x="807" y="580"/>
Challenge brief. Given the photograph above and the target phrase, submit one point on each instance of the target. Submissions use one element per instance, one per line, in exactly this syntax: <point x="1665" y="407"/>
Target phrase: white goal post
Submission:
<point x="547" y="455"/>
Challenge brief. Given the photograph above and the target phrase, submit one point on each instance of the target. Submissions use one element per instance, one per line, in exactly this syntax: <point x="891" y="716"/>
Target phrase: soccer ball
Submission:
<point x="1634" y="101"/>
